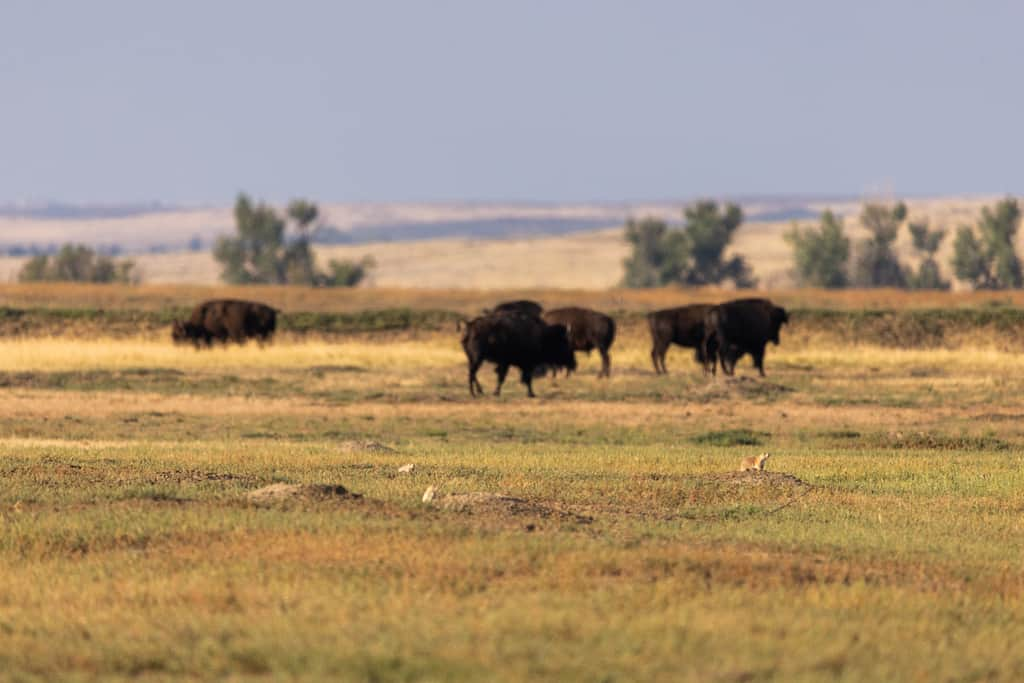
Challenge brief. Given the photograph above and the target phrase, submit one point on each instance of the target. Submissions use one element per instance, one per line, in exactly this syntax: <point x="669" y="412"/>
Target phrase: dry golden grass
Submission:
<point x="295" y="299"/>
<point x="127" y="548"/>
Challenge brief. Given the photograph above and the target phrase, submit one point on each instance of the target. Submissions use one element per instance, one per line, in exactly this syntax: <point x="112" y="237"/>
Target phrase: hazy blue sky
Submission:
<point x="572" y="100"/>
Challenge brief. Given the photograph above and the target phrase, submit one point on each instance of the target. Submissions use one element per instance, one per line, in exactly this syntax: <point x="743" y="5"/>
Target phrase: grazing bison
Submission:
<point x="224" y="320"/>
<point x="588" y="330"/>
<point x="683" y="326"/>
<point x="739" y="327"/>
<point x="508" y="339"/>
<point x="524" y="306"/>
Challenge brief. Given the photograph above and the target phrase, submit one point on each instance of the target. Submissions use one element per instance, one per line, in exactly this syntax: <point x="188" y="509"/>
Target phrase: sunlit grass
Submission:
<point x="439" y="350"/>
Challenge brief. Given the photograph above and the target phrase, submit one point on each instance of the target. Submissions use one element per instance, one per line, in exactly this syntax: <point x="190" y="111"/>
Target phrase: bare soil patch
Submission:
<point x="502" y="506"/>
<point x="366" y="446"/>
<point x="283" y="493"/>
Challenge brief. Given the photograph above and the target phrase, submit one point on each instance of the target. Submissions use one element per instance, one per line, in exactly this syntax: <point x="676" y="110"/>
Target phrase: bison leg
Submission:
<point x="502" y="371"/>
<point x="526" y="377"/>
<point x="606" y="363"/>
<point x="758" y="355"/>
<point x="474" y="384"/>
<point x="658" y="357"/>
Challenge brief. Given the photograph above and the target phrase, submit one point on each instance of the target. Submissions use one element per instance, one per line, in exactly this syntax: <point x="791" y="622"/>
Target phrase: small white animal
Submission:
<point x="428" y="495"/>
<point x="754" y="462"/>
<point x="404" y="469"/>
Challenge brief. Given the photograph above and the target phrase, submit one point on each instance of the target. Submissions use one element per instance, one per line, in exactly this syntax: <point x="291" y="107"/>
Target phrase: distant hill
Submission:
<point x="154" y="226"/>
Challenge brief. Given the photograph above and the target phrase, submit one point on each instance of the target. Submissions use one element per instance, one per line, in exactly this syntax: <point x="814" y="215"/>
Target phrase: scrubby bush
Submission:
<point x="76" y="263"/>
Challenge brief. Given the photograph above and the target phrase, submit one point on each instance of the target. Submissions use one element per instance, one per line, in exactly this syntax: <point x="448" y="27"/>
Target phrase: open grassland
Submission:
<point x="884" y="543"/>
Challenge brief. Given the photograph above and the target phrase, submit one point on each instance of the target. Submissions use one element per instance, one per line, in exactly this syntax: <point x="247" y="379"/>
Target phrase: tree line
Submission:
<point x="984" y="255"/>
<point x="268" y="247"/>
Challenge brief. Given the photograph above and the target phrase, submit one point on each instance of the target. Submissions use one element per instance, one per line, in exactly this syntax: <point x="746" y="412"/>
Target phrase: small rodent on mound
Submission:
<point x="754" y="462"/>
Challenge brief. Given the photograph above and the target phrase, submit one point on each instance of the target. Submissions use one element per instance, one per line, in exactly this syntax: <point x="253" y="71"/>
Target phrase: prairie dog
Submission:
<point x="754" y="462"/>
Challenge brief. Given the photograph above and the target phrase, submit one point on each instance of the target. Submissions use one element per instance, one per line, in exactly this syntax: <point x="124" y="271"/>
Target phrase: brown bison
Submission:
<point x="524" y="306"/>
<point x="740" y="327"/>
<point x="683" y="326"/>
<point x="226" y="320"/>
<point x="588" y="330"/>
<point x="508" y="339"/>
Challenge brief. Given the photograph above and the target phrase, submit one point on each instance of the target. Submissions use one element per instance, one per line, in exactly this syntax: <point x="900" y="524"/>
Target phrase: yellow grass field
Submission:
<point x="597" y="532"/>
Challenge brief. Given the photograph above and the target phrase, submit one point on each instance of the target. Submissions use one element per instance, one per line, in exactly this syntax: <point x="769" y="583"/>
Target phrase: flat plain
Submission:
<point x="883" y="543"/>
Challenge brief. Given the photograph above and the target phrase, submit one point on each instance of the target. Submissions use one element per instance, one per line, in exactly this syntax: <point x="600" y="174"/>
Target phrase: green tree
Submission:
<point x="877" y="265"/>
<point x="655" y="259"/>
<point x="693" y="255"/>
<point x="927" y="241"/>
<point x="256" y="254"/>
<point x="706" y="235"/>
<point x="272" y="249"/>
<point x="989" y="260"/>
<point x="821" y="254"/>
<point x="298" y="255"/>
<point x="76" y="263"/>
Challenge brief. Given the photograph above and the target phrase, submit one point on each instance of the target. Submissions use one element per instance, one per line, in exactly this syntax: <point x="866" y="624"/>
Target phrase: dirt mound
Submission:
<point x="366" y="446"/>
<point x="480" y="502"/>
<point x="280" y="493"/>
<point x="724" y="387"/>
<point x="765" y="479"/>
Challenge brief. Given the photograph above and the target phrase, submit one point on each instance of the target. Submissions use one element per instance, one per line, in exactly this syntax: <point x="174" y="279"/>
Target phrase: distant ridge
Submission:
<point x="67" y="211"/>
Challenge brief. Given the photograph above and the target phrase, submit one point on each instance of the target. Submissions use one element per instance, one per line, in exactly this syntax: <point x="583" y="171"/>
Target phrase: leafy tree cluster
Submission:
<point x="693" y="255"/>
<point x="269" y="248"/>
<point x="822" y="253"/>
<point x="988" y="259"/>
<point x="76" y="263"/>
<point x="877" y="264"/>
<point x="927" y="242"/>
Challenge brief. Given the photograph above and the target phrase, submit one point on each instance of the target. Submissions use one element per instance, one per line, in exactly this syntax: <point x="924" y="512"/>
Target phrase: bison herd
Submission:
<point x="523" y="335"/>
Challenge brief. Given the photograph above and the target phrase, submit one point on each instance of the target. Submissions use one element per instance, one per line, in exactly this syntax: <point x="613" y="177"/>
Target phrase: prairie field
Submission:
<point x="597" y="532"/>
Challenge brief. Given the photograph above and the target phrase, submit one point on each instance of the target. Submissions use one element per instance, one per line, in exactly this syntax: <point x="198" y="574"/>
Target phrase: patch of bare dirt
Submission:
<point x="763" y="478"/>
<point x="502" y="506"/>
<point x="366" y="446"/>
<point x="724" y="387"/>
<point x="194" y="476"/>
<point x="282" y="493"/>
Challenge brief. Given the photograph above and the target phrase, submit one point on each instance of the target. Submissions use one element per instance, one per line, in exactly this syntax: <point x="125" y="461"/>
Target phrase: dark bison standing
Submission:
<point x="684" y="326"/>
<point x="588" y="330"/>
<point x="739" y="327"/>
<point x="508" y="339"/>
<point x="524" y="306"/>
<point x="224" y="320"/>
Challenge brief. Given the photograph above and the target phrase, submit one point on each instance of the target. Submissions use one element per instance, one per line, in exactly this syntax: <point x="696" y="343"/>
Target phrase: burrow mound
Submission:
<point x="723" y="386"/>
<point x="366" y="446"/>
<point x="764" y="479"/>
<point x="496" y="504"/>
<point x="283" y="493"/>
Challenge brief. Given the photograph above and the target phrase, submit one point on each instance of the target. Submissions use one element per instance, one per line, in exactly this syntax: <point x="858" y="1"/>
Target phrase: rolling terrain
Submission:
<point x="578" y="259"/>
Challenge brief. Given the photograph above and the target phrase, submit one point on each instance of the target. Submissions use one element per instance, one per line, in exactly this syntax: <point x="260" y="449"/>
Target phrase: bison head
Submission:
<point x="779" y="317"/>
<point x="179" y="332"/>
<point x="557" y="349"/>
<point x="185" y="332"/>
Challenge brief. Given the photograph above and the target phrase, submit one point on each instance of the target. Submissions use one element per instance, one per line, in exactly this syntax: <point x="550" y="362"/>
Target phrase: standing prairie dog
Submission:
<point x="754" y="462"/>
